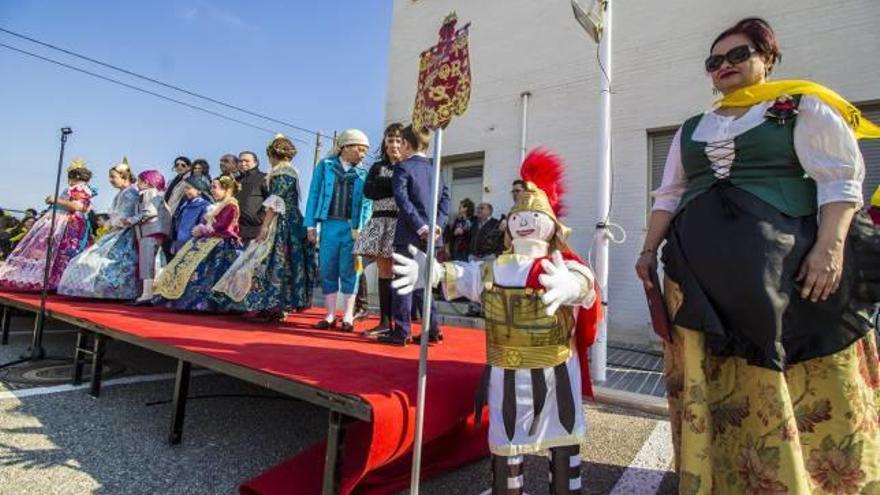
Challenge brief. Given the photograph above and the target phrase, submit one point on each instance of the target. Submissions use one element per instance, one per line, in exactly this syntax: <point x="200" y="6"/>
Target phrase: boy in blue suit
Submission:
<point x="411" y="184"/>
<point x="336" y="200"/>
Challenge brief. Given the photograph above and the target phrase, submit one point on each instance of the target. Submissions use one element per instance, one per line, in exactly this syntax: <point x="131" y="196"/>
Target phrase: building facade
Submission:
<point x="537" y="47"/>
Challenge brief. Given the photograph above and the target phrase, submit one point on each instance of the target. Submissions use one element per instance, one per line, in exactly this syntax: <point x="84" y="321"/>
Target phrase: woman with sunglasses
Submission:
<point x="771" y="369"/>
<point x="174" y="193"/>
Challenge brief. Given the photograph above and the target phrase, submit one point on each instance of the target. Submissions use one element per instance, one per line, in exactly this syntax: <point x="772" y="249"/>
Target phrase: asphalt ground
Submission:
<point x="56" y="439"/>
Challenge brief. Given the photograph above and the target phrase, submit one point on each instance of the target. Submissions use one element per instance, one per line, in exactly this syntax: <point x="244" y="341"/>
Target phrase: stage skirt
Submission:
<point x="106" y="270"/>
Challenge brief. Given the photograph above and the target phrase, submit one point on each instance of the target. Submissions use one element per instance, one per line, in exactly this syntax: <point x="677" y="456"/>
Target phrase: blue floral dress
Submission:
<point x="278" y="274"/>
<point x="108" y="268"/>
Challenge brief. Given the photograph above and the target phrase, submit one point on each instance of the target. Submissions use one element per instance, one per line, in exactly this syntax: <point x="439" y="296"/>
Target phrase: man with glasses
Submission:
<point x="516" y="189"/>
<point x="337" y="202"/>
<point x="251" y="196"/>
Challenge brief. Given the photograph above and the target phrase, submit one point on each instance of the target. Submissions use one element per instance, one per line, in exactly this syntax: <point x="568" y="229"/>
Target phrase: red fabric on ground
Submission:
<point x="376" y="458"/>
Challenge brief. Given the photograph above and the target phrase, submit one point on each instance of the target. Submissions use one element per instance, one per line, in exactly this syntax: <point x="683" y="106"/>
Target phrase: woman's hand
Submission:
<point x="50" y="200"/>
<point x="821" y="271"/>
<point x="645" y="266"/>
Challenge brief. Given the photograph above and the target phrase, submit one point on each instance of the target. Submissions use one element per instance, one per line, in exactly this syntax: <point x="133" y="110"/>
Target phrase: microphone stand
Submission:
<point x="36" y="351"/>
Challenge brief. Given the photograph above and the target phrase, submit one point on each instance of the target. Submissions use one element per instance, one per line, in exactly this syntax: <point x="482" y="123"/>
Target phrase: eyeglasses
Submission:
<point x="180" y="164"/>
<point x="736" y="55"/>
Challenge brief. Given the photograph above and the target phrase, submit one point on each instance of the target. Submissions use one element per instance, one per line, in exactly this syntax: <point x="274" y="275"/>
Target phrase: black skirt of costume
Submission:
<point x="736" y="258"/>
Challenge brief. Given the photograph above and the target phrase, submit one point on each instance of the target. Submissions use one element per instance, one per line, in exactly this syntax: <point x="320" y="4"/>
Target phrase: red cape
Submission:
<point x="587" y="321"/>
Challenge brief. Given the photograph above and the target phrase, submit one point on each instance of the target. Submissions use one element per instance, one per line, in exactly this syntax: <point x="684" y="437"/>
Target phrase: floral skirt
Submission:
<point x="106" y="270"/>
<point x="377" y="238"/>
<point x="741" y="429"/>
<point x="199" y="282"/>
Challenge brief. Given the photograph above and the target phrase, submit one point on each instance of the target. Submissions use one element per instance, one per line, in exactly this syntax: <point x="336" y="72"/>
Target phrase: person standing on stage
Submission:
<point x="190" y="212"/>
<point x="337" y="202"/>
<point x="174" y="191"/>
<point x="229" y="166"/>
<point x="251" y="196"/>
<point x="108" y="268"/>
<point x="377" y="239"/>
<point x="152" y="222"/>
<point x="187" y="282"/>
<point x="773" y="380"/>
<point x="23" y="269"/>
<point x="412" y="183"/>
<point x="275" y="273"/>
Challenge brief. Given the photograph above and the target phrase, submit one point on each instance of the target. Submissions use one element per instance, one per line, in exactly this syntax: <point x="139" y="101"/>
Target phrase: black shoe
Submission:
<point x="361" y="314"/>
<point x="324" y="324"/>
<point x="435" y="338"/>
<point x="381" y="329"/>
<point x="140" y="302"/>
<point x="391" y="339"/>
<point x="347" y="327"/>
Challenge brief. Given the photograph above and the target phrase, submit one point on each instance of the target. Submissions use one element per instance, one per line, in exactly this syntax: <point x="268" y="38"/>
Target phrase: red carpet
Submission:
<point x="376" y="458"/>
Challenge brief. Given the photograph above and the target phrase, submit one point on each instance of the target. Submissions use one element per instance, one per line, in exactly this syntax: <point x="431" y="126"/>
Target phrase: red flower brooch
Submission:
<point x="784" y="108"/>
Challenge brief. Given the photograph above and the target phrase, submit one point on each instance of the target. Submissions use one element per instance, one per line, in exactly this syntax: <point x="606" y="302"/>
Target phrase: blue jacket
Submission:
<point x="190" y="213"/>
<point x="411" y="184"/>
<point x="321" y="193"/>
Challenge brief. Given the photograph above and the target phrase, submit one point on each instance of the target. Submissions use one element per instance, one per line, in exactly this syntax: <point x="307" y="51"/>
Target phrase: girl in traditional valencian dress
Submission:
<point x="108" y="269"/>
<point x="23" y="270"/>
<point x="186" y="283"/>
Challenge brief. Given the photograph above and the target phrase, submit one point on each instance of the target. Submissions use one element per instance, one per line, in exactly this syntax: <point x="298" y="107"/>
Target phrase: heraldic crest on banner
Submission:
<point x="444" y="88"/>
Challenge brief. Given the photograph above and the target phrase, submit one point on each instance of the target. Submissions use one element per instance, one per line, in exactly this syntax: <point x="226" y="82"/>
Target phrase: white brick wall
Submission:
<point x="536" y="46"/>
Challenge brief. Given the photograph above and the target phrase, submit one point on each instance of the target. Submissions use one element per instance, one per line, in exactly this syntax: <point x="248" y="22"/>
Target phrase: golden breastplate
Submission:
<point x="519" y="334"/>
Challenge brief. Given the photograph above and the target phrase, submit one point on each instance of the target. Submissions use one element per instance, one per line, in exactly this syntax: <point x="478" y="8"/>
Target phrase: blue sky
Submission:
<point x="320" y="65"/>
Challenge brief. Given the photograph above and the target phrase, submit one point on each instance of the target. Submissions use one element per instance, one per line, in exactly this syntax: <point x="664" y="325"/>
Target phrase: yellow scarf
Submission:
<point x="875" y="198"/>
<point x="752" y="95"/>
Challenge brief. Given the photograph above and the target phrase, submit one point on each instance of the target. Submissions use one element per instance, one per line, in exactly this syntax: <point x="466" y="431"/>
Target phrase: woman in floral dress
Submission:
<point x="772" y="366"/>
<point x="23" y="270"/>
<point x="108" y="268"/>
<point x="276" y="273"/>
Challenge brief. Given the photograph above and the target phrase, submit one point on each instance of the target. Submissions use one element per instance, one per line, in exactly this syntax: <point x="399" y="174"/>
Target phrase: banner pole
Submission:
<point x="426" y="317"/>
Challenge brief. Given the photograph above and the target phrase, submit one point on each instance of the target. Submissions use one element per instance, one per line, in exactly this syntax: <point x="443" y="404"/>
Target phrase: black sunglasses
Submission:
<point x="736" y="55"/>
<point x="180" y="164"/>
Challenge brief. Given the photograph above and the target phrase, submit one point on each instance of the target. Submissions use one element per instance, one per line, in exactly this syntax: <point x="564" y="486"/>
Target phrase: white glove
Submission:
<point x="411" y="271"/>
<point x="561" y="286"/>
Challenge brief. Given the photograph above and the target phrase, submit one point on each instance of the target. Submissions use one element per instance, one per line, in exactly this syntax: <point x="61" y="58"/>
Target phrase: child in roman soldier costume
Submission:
<point x="542" y="308"/>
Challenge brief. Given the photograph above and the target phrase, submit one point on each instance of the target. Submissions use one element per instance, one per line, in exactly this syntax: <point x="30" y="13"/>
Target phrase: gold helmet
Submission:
<point x="542" y="172"/>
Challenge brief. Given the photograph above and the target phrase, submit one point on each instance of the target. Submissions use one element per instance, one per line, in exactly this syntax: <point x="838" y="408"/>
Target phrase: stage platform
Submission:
<point x="368" y="389"/>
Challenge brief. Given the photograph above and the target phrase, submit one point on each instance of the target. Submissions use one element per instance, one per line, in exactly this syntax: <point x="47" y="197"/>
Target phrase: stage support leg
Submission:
<point x="181" y="389"/>
<point x="82" y="337"/>
<point x="333" y="456"/>
<point x="4" y="325"/>
<point x="97" y="365"/>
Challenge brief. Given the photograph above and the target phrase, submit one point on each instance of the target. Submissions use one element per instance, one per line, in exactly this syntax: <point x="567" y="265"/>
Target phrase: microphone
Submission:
<point x="66" y="130"/>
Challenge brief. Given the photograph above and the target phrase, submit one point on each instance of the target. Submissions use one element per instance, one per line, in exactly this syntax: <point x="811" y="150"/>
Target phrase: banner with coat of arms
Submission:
<point x="444" y="88"/>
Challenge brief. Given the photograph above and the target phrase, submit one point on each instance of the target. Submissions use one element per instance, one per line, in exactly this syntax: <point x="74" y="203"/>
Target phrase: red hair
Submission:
<point x="760" y="35"/>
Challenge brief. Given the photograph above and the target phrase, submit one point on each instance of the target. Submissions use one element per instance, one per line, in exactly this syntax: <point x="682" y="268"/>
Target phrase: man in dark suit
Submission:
<point x="251" y="196"/>
<point x="487" y="242"/>
<point x="412" y="185"/>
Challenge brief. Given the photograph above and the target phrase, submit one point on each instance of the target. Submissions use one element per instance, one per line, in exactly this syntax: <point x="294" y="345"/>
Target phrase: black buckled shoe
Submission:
<point x="347" y="327"/>
<point x="392" y="338"/>
<point x="324" y="324"/>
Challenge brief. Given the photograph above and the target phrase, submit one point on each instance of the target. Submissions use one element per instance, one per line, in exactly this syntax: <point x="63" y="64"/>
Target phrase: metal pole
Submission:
<point x="524" y="133"/>
<point x="599" y="351"/>
<point x="36" y="350"/>
<point x="317" y="149"/>
<point x="426" y="318"/>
